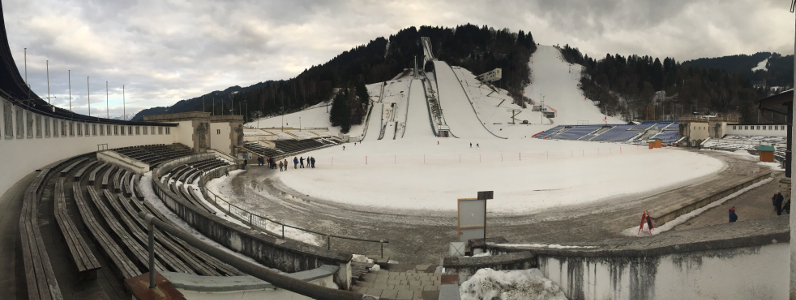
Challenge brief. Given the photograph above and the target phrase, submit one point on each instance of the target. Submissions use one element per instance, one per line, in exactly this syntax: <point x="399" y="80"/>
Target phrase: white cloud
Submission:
<point x="165" y="51"/>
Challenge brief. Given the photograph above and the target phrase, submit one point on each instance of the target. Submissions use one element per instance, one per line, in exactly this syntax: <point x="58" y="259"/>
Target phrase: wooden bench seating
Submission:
<point x="39" y="276"/>
<point x="138" y="251"/>
<point x="165" y="256"/>
<point x="219" y="266"/>
<point x="87" y="264"/>
<point x="106" y="178"/>
<point x="93" y="175"/>
<point x="123" y="264"/>
<point x="69" y="168"/>
<point x="85" y="168"/>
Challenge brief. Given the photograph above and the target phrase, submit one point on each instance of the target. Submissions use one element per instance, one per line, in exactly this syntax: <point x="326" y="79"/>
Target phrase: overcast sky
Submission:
<point x="163" y="51"/>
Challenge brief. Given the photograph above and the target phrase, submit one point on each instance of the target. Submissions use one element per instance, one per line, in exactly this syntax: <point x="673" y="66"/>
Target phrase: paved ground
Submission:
<point x="752" y="205"/>
<point x="404" y="281"/>
<point x="422" y="237"/>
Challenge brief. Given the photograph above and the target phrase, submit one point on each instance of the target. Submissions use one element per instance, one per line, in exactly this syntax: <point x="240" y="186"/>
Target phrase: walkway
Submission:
<point x="402" y="281"/>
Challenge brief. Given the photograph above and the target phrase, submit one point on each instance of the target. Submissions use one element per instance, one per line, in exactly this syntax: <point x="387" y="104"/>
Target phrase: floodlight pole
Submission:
<point x="70" y="90"/>
<point x="792" y="289"/>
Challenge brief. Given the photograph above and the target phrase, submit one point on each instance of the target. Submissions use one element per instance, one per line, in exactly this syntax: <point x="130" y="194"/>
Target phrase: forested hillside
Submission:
<point x="646" y="88"/>
<point x="776" y="74"/>
<point x="479" y="49"/>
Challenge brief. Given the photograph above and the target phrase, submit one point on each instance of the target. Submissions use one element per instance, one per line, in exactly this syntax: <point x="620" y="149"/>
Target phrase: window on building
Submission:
<point x="38" y="126"/>
<point x="129" y="130"/>
<point x="79" y="129"/>
<point x="46" y="127"/>
<point x="153" y="130"/>
<point x="160" y="130"/>
<point x="64" y="128"/>
<point x="20" y="124"/>
<point x="168" y="130"/>
<point x="102" y="129"/>
<point x="218" y="131"/>
<point x="71" y="128"/>
<point x="8" y="122"/>
<point x="29" y="122"/>
<point x="115" y="129"/>
<point x="137" y="130"/>
<point x="733" y="128"/>
<point x="145" y="129"/>
<point x="94" y="129"/>
<point x="746" y="127"/>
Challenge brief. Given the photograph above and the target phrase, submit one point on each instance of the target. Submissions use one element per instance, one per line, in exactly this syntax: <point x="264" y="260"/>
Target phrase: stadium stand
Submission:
<point x="667" y="131"/>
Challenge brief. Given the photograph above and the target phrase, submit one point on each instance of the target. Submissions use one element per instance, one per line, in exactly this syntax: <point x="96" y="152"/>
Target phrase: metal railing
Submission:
<point x="261" y="222"/>
<point x="278" y="280"/>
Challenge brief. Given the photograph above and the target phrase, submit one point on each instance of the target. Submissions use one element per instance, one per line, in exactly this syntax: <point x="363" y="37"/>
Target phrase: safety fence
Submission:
<point x="466" y="158"/>
<point x="263" y="223"/>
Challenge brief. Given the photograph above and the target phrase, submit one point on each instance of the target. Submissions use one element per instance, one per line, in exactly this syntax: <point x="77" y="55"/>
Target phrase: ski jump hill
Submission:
<point x="470" y="108"/>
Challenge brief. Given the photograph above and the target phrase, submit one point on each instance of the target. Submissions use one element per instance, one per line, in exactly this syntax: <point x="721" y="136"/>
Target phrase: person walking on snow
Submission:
<point x="733" y="216"/>
<point x="302" y="162"/>
<point x="343" y="147"/>
<point x="295" y="162"/>
<point x="312" y="161"/>
<point x="286" y="164"/>
<point x="777" y="202"/>
<point x="471" y="145"/>
<point x="280" y="166"/>
<point x="477" y="145"/>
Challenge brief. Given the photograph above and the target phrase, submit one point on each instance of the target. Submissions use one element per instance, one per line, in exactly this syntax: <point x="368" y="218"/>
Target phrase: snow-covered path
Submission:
<point x="417" y="122"/>
<point x="458" y="111"/>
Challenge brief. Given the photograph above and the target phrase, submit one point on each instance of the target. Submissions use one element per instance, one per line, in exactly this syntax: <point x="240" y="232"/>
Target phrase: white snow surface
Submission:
<point x="633" y="231"/>
<point x="316" y="116"/>
<point x="418" y="123"/>
<point x="526" y="174"/>
<point x="510" y="285"/>
<point x="552" y="79"/>
<point x="761" y="65"/>
<point x="222" y="187"/>
<point x="145" y="185"/>
<point x="458" y="111"/>
<point x="374" y="124"/>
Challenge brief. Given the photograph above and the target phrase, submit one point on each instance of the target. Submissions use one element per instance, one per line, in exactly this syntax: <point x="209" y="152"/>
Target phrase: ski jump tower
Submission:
<point x="428" y="55"/>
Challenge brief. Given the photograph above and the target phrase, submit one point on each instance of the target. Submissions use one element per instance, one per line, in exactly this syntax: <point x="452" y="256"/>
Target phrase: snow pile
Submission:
<point x="633" y="231"/>
<point x="145" y="185"/>
<point x="509" y="285"/>
<point x="361" y="259"/>
<point x="551" y="246"/>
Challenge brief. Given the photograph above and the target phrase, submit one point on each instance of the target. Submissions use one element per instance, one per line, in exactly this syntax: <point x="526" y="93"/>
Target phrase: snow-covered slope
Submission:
<point x="458" y="111"/>
<point x="551" y="78"/>
<point x="761" y="65"/>
<point x="417" y="121"/>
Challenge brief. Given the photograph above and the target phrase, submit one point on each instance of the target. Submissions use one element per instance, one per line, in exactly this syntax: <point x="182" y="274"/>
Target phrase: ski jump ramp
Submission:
<point x="417" y="119"/>
<point x="459" y="112"/>
<point x="374" y="125"/>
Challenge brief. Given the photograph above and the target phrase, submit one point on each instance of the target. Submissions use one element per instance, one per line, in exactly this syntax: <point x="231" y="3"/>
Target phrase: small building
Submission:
<point x="766" y="153"/>
<point x="655" y="143"/>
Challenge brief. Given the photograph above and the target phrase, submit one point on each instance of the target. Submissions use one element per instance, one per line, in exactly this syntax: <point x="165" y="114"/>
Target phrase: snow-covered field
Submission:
<point x="526" y="174"/>
<point x="457" y="109"/>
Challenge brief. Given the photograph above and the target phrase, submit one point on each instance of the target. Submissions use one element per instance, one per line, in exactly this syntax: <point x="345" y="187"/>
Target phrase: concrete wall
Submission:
<point x="760" y="272"/>
<point x="185" y="133"/>
<point x="20" y="156"/>
<point x="284" y="255"/>
<point x="221" y="137"/>
<point x="777" y="130"/>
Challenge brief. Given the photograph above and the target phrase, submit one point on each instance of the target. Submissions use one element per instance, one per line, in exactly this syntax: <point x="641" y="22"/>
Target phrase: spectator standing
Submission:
<point x="312" y="162"/>
<point x="280" y="166"/>
<point x="295" y="162"/>
<point x="733" y="216"/>
<point x="301" y="160"/>
<point x="285" y="164"/>
<point x="777" y="202"/>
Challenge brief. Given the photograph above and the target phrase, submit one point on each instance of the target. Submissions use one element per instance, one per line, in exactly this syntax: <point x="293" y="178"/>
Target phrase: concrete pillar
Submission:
<point x="792" y="216"/>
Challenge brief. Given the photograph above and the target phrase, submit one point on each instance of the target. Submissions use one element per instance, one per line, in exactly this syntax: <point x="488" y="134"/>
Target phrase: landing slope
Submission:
<point x="557" y="81"/>
<point x="417" y="121"/>
<point x="458" y="111"/>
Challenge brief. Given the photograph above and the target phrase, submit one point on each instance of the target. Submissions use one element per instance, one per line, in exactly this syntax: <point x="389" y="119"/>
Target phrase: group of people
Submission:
<point x="777" y="200"/>
<point x="298" y="162"/>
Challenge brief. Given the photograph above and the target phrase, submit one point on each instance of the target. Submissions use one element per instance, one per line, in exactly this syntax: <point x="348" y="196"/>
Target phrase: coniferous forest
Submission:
<point x="646" y="88"/>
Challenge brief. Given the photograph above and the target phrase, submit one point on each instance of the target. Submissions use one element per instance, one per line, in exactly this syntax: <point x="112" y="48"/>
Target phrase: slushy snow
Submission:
<point x="510" y="285"/>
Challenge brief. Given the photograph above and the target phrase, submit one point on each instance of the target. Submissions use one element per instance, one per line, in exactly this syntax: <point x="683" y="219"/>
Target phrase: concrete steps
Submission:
<point x="401" y="281"/>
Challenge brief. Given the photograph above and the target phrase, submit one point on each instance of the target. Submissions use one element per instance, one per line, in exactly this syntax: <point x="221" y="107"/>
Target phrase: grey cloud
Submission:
<point x="164" y="51"/>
